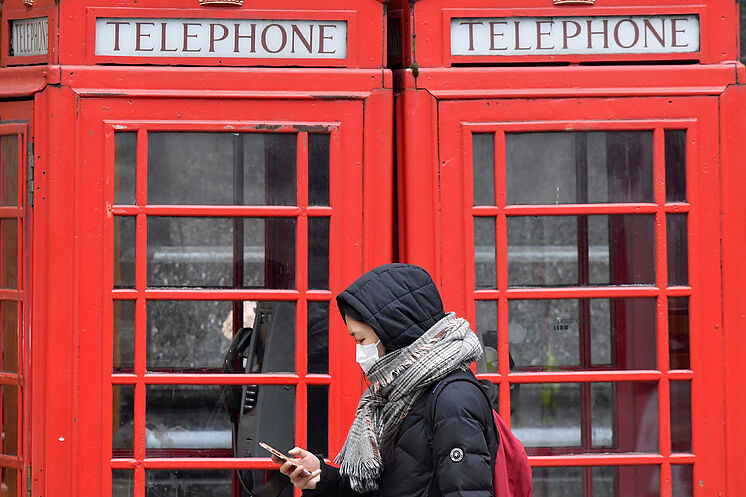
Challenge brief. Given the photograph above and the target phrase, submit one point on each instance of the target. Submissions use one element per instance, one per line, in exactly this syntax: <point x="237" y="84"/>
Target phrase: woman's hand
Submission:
<point x="295" y="468"/>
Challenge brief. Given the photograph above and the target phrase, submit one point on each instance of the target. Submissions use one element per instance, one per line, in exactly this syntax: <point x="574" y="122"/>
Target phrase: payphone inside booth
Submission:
<point x="575" y="150"/>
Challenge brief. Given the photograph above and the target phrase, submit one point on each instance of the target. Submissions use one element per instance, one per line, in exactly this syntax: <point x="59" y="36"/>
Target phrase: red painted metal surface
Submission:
<point x="429" y="21"/>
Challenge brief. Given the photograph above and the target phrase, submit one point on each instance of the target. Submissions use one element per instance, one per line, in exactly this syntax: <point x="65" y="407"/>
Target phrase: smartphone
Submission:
<point x="280" y="455"/>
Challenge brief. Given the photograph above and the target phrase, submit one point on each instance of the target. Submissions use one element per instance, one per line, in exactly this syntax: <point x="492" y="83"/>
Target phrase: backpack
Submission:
<point x="512" y="476"/>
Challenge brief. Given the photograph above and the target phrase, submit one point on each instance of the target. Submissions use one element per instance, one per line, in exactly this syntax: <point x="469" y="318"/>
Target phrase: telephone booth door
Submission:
<point x="586" y="251"/>
<point x="218" y="225"/>
<point x="14" y="255"/>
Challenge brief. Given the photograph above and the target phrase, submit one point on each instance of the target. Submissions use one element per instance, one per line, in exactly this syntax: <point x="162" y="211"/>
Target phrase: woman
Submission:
<point x="406" y="344"/>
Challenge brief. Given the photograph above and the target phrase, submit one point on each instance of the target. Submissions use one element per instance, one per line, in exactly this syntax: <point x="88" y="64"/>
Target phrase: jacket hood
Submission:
<point x="399" y="301"/>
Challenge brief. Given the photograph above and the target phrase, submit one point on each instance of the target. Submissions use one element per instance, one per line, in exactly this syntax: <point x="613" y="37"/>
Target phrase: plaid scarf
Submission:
<point x="397" y="381"/>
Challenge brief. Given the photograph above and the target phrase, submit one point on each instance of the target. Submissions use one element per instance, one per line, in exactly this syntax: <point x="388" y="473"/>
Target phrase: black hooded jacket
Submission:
<point x="450" y="456"/>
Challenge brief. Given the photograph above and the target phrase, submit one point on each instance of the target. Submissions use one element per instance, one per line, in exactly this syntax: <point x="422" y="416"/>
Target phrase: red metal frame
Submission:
<point x="458" y="119"/>
<point x="10" y="15"/>
<point x="19" y="379"/>
<point x="428" y="20"/>
<point x="352" y="247"/>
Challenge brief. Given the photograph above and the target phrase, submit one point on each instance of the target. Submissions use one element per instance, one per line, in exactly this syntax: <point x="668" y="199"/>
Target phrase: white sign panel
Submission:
<point x="241" y="38"/>
<point x="575" y="35"/>
<point x="29" y="36"/>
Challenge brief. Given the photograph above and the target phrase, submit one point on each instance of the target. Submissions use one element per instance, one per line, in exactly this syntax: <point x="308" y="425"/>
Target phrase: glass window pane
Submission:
<point x="486" y="328"/>
<point x="318" y="169"/>
<point x="318" y="253"/>
<point x="10" y="420"/>
<point x="122" y="443"/>
<point x="187" y="420"/>
<point x="678" y="332"/>
<point x="122" y="483"/>
<point x="556" y="418"/>
<point x="195" y="335"/>
<point x="678" y="249"/>
<point x="682" y="480"/>
<point x="675" y="165"/>
<point x="318" y="337"/>
<point x="318" y="419"/>
<point x="10" y="479"/>
<point x="681" y="416"/>
<point x="124" y="252"/>
<point x="557" y="482"/>
<point x="9" y="268"/>
<point x="200" y="252"/>
<point x="10" y="329"/>
<point x="9" y="162"/>
<point x="124" y="336"/>
<point x="617" y="481"/>
<point x="125" y="161"/>
<point x="485" y="265"/>
<point x="579" y="167"/>
<point x="267" y="415"/>
<point x="243" y="168"/>
<point x="614" y="250"/>
<point x="552" y="334"/>
<point x="484" y="168"/>
<point x="188" y="483"/>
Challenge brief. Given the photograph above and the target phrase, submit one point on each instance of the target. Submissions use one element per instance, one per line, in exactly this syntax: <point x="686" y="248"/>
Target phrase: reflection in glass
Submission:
<point x="124" y="336"/>
<point x="551" y="331"/>
<point x="188" y="483"/>
<point x="9" y="247"/>
<point x="678" y="332"/>
<point x="125" y="162"/>
<point x="124" y="252"/>
<point x="551" y="418"/>
<point x="554" y="482"/>
<point x="243" y="168"/>
<point x="10" y="481"/>
<point x="579" y="167"/>
<point x="618" y="481"/>
<point x="195" y="335"/>
<point x="187" y="420"/>
<point x="9" y="159"/>
<point x="675" y="165"/>
<point x="557" y="334"/>
<point x="318" y="169"/>
<point x="318" y="253"/>
<point x="678" y="249"/>
<point x="485" y="273"/>
<point x="9" y="312"/>
<point x="486" y="328"/>
<point x="681" y="416"/>
<point x="318" y="419"/>
<point x="602" y="415"/>
<point x="122" y="483"/>
<point x="318" y="337"/>
<point x="614" y="250"/>
<point x="682" y="480"/>
<point x="198" y="252"/>
<point x="123" y="399"/>
<point x="10" y="420"/>
<point x="484" y="168"/>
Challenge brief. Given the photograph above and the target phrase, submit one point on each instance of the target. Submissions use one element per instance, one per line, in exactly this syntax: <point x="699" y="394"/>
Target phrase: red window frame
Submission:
<point x="19" y="379"/>
<point x="459" y="119"/>
<point x="345" y="121"/>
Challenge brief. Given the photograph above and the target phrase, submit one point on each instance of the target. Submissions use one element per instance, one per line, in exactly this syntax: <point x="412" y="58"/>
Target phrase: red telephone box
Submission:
<point x="206" y="177"/>
<point x="573" y="156"/>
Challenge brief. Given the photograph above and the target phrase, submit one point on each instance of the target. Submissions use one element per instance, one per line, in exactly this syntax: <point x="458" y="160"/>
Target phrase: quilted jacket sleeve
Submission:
<point x="461" y="453"/>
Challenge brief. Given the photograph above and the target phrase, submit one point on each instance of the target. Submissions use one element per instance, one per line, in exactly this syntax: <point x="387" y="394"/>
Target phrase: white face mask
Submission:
<point x="366" y="355"/>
